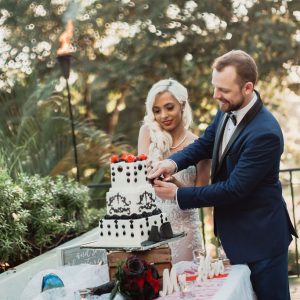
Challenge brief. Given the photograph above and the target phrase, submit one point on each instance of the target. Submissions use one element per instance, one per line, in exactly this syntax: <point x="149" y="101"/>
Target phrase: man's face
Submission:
<point x="227" y="90"/>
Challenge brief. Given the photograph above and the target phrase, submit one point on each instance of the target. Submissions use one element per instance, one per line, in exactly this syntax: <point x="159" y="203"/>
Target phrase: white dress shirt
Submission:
<point x="230" y="127"/>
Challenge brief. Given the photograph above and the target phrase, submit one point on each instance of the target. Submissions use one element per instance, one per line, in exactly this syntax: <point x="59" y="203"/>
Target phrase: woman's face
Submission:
<point x="167" y="111"/>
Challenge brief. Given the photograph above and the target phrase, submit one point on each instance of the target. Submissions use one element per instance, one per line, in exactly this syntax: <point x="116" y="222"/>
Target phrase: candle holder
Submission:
<point x="65" y="64"/>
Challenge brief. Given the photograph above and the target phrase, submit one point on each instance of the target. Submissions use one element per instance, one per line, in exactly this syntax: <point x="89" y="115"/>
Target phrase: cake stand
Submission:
<point x="147" y="245"/>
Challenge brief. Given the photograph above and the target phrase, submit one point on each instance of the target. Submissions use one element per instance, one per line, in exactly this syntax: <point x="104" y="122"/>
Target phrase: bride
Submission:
<point x="164" y="132"/>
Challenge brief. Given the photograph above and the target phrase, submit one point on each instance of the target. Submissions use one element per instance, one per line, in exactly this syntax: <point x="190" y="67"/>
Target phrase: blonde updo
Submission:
<point x="160" y="139"/>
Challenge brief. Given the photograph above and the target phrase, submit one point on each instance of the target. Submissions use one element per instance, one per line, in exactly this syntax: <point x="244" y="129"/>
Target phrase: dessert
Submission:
<point x="131" y="211"/>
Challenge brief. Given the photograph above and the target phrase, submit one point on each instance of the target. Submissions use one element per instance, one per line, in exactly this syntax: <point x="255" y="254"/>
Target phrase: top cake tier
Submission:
<point x="125" y="174"/>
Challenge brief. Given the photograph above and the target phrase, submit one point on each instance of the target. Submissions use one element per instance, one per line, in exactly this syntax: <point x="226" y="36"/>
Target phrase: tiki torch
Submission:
<point x="64" y="59"/>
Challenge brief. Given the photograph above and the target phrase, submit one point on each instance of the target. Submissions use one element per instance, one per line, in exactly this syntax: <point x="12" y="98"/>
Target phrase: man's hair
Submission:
<point x="243" y="63"/>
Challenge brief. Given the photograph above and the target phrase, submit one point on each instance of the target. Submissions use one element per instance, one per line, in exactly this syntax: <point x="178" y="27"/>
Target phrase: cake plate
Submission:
<point x="147" y="245"/>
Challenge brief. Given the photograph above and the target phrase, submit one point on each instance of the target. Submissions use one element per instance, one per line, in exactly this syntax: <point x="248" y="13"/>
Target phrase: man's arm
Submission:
<point x="259" y="159"/>
<point x="200" y="149"/>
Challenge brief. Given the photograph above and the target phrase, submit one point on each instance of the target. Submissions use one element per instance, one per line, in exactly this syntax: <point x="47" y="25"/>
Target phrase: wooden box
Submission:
<point x="160" y="257"/>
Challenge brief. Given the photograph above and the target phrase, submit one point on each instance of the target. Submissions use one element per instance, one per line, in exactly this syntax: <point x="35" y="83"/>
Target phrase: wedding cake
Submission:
<point x="131" y="211"/>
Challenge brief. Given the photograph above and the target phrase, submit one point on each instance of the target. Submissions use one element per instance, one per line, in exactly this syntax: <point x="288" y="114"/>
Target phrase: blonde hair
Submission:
<point x="160" y="139"/>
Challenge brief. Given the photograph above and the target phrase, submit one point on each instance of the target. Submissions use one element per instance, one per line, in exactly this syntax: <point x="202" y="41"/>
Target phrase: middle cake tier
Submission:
<point x="130" y="201"/>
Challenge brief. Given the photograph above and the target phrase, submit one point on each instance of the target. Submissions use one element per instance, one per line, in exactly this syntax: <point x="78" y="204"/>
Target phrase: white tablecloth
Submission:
<point x="236" y="286"/>
<point x="75" y="278"/>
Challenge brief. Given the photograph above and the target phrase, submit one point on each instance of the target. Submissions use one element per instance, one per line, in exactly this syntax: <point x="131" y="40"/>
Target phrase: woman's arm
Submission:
<point x="203" y="172"/>
<point x="144" y="140"/>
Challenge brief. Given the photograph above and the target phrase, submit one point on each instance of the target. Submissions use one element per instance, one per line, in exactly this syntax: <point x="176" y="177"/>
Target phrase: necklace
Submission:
<point x="176" y="146"/>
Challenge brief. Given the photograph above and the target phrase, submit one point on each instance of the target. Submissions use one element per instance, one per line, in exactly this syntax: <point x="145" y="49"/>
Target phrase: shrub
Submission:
<point x="39" y="213"/>
<point x="13" y="219"/>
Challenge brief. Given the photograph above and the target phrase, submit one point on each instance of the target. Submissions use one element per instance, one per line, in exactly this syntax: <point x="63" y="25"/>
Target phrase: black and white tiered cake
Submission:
<point x="130" y="204"/>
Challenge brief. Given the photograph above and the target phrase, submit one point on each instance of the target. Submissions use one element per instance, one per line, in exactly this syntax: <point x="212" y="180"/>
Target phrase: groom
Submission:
<point x="245" y="143"/>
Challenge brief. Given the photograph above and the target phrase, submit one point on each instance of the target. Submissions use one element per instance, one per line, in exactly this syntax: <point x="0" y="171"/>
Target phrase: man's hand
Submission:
<point x="164" y="169"/>
<point x="165" y="190"/>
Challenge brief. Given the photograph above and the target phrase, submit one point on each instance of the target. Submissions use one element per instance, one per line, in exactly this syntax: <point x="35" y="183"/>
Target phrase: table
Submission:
<point x="236" y="286"/>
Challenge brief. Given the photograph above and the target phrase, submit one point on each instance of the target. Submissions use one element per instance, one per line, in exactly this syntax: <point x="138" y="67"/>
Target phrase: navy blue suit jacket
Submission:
<point x="250" y="214"/>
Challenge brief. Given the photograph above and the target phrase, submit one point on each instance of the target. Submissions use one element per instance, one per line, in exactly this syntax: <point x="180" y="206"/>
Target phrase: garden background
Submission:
<point x="119" y="49"/>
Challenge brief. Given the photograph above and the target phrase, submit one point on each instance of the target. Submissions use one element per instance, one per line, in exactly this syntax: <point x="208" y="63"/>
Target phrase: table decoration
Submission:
<point x="170" y="283"/>
<point x="136" y="280"/>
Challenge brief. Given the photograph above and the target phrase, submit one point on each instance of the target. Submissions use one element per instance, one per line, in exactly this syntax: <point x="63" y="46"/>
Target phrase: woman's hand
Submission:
<point x="165" y="190"/>
<point x="172" y="179"/>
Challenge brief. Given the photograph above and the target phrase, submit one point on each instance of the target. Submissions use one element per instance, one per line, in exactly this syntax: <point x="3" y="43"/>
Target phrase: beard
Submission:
<point x="227" y="106"/>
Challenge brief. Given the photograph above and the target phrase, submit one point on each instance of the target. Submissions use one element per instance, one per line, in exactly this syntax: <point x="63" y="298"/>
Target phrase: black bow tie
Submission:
<point x="232" y="117"/>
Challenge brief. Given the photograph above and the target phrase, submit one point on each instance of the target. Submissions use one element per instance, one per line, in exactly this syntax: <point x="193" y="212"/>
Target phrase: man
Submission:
<point x="245" y="143"/>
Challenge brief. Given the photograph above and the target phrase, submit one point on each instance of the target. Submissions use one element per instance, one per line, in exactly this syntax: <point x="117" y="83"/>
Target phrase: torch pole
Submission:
<point x="73" y="132"/>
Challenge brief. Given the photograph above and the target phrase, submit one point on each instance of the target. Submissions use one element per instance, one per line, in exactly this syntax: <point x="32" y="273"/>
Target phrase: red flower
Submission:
<point x="140" y="282"/>
<point x="142" y="157"/>
<point x="114" y="158"/>
<point x="124" y="157"/>
<point x="153" y="281"/>
<point x="130" y="158"/>
<point x="137" y="280"/>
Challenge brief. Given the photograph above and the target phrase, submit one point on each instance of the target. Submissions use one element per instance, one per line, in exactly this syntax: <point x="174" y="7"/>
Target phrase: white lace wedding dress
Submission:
<point x="183" y="220"/>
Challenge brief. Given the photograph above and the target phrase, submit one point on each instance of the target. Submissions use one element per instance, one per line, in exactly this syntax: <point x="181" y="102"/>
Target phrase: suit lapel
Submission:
<point x="247" y="118"/>
<point x="218" y="138"/>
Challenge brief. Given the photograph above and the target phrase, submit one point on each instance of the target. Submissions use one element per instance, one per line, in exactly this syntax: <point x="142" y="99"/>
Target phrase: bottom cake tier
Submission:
<point x="130" y="232"/>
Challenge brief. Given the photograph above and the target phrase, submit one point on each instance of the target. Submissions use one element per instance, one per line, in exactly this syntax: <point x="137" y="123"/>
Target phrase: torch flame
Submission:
<point x="65" y="39"/>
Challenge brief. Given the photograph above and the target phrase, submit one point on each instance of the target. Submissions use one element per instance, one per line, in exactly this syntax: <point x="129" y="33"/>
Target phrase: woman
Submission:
<point x="164" y="132"/>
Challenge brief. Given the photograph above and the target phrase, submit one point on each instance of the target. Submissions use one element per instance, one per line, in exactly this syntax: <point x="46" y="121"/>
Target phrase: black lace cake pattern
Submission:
<point x="146" y="201"/>
<point x="118" y="204"/>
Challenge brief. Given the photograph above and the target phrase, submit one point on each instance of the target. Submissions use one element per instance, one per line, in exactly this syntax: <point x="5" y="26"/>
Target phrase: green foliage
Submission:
<point x="57" y="207"/>
<point x="13" y="219"/>
<point x="27" y="127"/>
<point x="36" y="134"/>
<point x="39" y="213"/>
<point x="123" y="47"/>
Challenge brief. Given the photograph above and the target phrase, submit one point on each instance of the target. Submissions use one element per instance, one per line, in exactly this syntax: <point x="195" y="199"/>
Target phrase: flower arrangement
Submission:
<point x="136" y="280"/>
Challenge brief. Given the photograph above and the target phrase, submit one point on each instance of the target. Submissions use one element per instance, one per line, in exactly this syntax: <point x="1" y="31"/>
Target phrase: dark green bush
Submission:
<point x="58" y="210"/>
<point x="39" y="213"/>
<point x="13" y="219"/>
